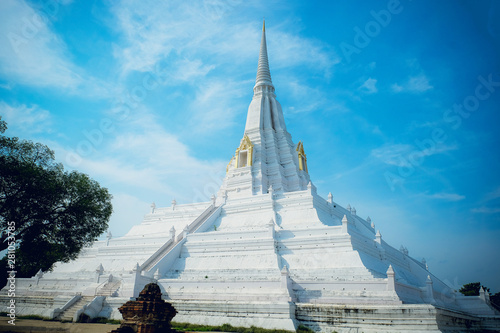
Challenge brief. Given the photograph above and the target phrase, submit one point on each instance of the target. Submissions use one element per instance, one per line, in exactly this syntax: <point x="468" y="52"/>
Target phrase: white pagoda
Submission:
<point x="267" y="251"/>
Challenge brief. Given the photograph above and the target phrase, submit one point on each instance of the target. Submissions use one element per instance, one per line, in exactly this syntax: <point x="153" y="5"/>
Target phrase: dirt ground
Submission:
<point x="38" y="326"/>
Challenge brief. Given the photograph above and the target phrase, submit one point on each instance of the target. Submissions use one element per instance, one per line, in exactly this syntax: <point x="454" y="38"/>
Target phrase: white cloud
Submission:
<point x="393" y="154"/>
<point x="418" y="83"/>
<point x="189" y="70"/>
<point x="414" y="84"/>
<point x="201" y="30"/>
<point x="305" y="98"/>
<point x="31" y="53"/>
<point x="32" y="119"/>
<point x="397" y="88"/>
<point x="486" y="210"/>
<point x="440" y="149"/>
<point x="199" y="44"/>
<point x="287" y="49"/>
<point x="399" y="154"/>
<point x="216" y="104"/>
<point x="145" y="160"/>
<point x="447" y="196"/>
<point x="495" y="194"/>
<point x="369" y="86"/>
<point x="6" y="86"/>
<point x="155" y="29"/>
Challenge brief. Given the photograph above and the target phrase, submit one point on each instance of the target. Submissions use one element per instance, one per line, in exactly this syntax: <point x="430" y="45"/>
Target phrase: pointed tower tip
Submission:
<point x="263" y="73"/>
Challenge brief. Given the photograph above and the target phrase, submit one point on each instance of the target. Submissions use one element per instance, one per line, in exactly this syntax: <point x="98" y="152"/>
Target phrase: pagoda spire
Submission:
<point x="263" y="72"/>
<point x="267" y="161"/>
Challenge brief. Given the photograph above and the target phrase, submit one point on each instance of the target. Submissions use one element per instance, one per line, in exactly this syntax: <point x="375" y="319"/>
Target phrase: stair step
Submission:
<point x="70" y="312"/>
<point x="109" y="288"/>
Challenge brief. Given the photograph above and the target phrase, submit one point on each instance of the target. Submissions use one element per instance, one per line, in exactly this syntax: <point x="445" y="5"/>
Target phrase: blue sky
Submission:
<point x="397" y="103"/>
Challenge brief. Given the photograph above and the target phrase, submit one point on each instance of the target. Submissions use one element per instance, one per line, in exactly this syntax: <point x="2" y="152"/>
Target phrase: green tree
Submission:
<point x="55" y="213"/>
<point x="472" y="289"/>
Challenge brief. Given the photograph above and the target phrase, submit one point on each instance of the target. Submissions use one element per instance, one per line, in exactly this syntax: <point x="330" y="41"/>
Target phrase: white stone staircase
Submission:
<point x="109" y="288"/>
<point x="69" y="313"/>
<point x="170" y="244"/>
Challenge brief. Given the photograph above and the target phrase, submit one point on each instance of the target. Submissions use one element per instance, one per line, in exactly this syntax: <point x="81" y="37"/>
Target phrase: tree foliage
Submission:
<point x="472" y="289"/>
<point x="56" y="213"/>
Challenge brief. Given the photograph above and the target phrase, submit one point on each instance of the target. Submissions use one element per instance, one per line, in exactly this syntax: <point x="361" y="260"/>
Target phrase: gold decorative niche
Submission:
<point x="302" y="156"/>
<point x="244" y="154"/>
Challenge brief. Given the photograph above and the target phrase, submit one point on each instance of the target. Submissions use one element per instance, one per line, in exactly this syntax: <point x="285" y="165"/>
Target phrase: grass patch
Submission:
<point x="35" y="317"/>
<point x="32" y="317"/>
<point x="304" y="329"/>
<point x="229" y="328"/>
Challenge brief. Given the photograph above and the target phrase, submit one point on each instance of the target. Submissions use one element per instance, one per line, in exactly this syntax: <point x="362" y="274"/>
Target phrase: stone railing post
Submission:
<point x="344" y="224"/>
<point x="98" y="272"/>
<point x="391" y="279"/>
<point x="38" y="276"/>
<point x="286" y="282"/>
<point x="429" y="290"/>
